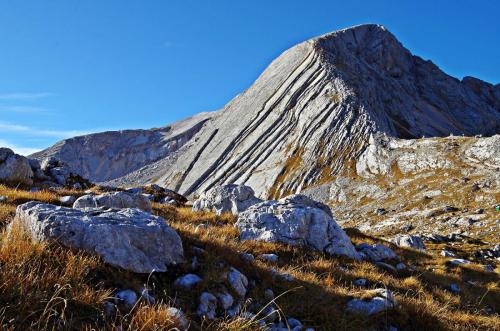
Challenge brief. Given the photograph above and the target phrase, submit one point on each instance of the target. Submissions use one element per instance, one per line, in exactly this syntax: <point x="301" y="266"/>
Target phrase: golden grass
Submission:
<point x="49" y="287"/>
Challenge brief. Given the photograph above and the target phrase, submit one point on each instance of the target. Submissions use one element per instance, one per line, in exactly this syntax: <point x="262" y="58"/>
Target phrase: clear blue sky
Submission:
<point x="69" y="67"/>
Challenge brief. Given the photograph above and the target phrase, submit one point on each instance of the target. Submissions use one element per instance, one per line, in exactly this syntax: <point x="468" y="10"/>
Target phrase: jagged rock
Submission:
<point x="227" y="198"/>
<point x="187" y="281"/>
<point x="208" y="305"/>
<point x="376" y="252"/>
<point x="298" y="221"/>
<point x="14" y="168"/>
<point x="411" y="241"/>
<point x="382" y="300"/>
<point x="237" y="281"/>
<point x="128" y="238"/>
<point x="114" y="200"/>
<point x="52" y="172"/>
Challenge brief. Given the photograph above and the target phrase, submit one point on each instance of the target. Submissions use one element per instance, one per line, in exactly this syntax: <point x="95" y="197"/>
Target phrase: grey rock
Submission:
<point x="382" y="300"/>
<point x="128" y="238"/>
<point x="114" y="200"/>
<point x="187" y="281"/>
<point x="447" y="253"/>
<point x="67" y="200"/>
<point x="208" y="305"/>
<point x="295" y="220"/>
<point x="268" y="257"/>
<point x="376" y="252"/>
<point x="247" y="257"/>
<point x="127" y="298"/>
<point x="147" y="296"/>
<point x="14" y="168"/>
<point x="269" y="294"/>
<point x="237" y="281"/>
<point x="410" y="241"/>
<point x="178" y="316"/>
<point x="3" y="198"/>
<point x="459" y="261"/>
<point x="454" y="288"/>
<point x="360" y="282"/>
<point x="226" y="199"/>
<point x="226" y="300"/>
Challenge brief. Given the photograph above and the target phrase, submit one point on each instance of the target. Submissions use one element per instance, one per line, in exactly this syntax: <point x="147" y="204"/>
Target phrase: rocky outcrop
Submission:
<point x="298" y="221"/>
<point x="108" y="155"/>
<point x="14" y="168"/>
<point x="226" y="199"/>
<point x="53" y="173"/>
<point x="128" y="238"/>
<point x="114" y="200"/>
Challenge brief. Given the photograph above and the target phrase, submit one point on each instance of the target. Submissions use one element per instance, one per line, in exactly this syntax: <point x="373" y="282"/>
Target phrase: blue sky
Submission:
<point x="70" y="67"/>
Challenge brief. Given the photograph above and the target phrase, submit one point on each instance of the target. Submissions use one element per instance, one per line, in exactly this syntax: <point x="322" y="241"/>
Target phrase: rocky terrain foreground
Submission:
<point x="354" y="186"/>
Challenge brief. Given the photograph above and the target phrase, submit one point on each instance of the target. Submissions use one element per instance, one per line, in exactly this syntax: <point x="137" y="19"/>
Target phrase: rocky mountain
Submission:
<point x="306" y="119"/>
<point x="109" y="155"/>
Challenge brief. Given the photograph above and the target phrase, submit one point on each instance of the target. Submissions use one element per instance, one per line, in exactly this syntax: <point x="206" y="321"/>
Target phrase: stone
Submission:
<point x="226" y="199"/>
<point x="226" y="300"/>
<point x="410" y="241"/>
<point x="187" y="281"/>
<point x="114" y="200"/>
<point x="298" y="221"/>
<point x="208" y="305"/>
<point x="447" y="253"/>
<point x="382" y="300"/>
<point x="360" y="282"/>
<point x="127" y="238"/>
<point x="67" y="200"/>
<point x="14" y="168"/>
<point x="237" y="281"/>
<point x="127" y="298"/>
<point x="489" y="268"/>
<point x="269" y="294"/>
<point x="268" y="257"/>
<point x="247" y="257"/>
<point x="459" y="261"/>
<point x="454" y="288"/>
<point x="179" y="317"/>
<point x="3" y="198"/>
<point x="147" y="296"/>
<point x="376" y="252"/>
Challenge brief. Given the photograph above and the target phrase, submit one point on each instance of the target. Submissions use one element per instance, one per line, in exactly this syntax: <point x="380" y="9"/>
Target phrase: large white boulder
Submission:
<point x="296" y="220"/>
<point x="14" y="168"/>
<point x="128" y="238"/>
<point x="411" y="241"/>
<point x="227" y="198"/>
<point x="114" y="200"/>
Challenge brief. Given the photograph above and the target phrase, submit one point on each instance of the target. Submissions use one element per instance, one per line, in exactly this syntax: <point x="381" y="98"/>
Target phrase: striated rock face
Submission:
<point x="298" y="221"/>
<point x="108" y="155"/>
<point x="314" y="109"/>
<point x="307" y="117"/>
<point x="128" y="238"/>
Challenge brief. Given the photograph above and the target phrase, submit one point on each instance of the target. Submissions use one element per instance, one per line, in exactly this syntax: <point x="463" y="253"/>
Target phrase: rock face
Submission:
<point x="310" y="112"/>
<point x="128" y="238"/>
<point x="227" y="198"/>
<point x="295" y="220"/>
<point x="114" y="200"/>
<point x="109" y="155"/>
<point x="14" y="168"/>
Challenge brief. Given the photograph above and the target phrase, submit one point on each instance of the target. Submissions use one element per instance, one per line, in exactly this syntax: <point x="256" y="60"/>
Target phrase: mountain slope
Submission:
<point x="313" y="109"/>
<point x="109" y="155"/>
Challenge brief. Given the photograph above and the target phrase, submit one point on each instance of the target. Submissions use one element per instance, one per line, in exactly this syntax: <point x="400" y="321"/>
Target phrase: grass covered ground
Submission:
<point x="46" y="287"/>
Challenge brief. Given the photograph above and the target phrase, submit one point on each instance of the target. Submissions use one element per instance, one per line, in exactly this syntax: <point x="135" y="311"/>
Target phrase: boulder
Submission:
<point x="376" y="252"/>
<point x="410" y="241"/>
<point x="114" y="200"/>
<point x="237" y="281"/>
<point x="128" y="238"/>
<point x="227" y="198"/>
<point x="187" y="281"/>
<point x="295" y="220"/>
<point x="14" y="168"/>
<point x="381" y="300"/>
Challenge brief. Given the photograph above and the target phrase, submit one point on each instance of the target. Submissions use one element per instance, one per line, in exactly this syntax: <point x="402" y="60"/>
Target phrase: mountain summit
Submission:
<point x="309" y="115"/>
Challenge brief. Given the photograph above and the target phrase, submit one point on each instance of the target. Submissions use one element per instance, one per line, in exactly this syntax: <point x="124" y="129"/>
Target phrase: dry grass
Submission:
<point x="49" y="287"/>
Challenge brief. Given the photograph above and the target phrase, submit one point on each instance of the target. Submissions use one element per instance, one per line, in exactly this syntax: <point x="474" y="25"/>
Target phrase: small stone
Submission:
<point x="268" y="257"/>
<point x="178" y="316"/>
<point x="67" y="200"/>
<point x="238" y="281"/>
<point x="247" y="257"/>
<point x="401" y="266"/>
<point x="207" y="306"/>
<point x="459" y="261"/>
<point x="269" y="294"/>
<point x="3" y="198"/>
<point x="294" y="323"/>
<point x="127" y="298"/>
<point x="147" y="296"/>
<point x="187" y="281"/>
<point x="226" y="300"/>
<point x="447" y="253"/>
<point x="454" y="288"/>
<point x="360" y="282"/>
